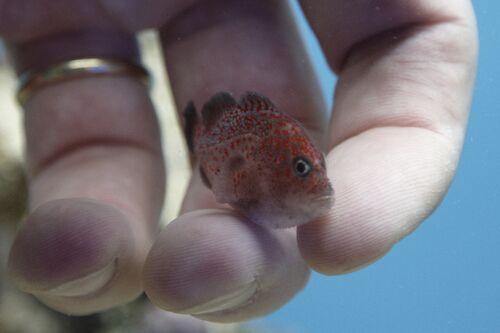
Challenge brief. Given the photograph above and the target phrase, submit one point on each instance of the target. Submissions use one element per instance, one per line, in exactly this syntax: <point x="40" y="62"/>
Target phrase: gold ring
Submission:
<point x="76" y="69"/>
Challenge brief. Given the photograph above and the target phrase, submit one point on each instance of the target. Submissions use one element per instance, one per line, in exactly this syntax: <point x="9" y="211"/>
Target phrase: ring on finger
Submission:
<point x="76" y="69"/>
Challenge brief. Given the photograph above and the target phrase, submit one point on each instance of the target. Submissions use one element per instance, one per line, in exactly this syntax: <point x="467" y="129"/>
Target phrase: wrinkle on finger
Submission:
<point x="64" y="116"/>
<point x="408" y="63"/>
<point x="342" y="26"/>
<point x="417" y="80"/>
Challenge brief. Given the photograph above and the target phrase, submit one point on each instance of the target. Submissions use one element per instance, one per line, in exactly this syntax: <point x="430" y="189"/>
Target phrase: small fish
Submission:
<point x="259" y="160"/>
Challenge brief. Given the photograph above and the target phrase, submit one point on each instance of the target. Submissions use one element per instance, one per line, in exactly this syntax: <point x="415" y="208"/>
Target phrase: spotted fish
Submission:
<point x="259" y="160"/>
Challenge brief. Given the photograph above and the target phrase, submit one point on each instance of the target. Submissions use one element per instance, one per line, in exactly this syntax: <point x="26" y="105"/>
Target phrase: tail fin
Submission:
<point x="190" y="120"/>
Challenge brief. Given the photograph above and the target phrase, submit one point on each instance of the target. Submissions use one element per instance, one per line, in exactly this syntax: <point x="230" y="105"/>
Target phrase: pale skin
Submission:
<point x="406" y="71"/>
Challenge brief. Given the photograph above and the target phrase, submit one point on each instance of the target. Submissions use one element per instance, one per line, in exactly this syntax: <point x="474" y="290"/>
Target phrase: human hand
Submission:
<point x="405" y="70"/>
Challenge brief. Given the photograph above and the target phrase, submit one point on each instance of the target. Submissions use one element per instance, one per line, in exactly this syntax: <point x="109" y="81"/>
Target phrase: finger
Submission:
<point x="96" y="187"/>
<point x="235" y="47"/>
<point x="406" y="71"/>
<point x="210" y="264"/>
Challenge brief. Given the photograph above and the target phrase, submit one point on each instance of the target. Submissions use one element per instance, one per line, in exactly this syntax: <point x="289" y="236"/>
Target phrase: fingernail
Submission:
<point x="85" y="285"/>
<point x="226" y="302"/>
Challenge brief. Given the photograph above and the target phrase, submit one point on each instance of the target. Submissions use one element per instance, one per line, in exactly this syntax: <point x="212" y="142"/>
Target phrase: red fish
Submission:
<point x="259" y="160"/>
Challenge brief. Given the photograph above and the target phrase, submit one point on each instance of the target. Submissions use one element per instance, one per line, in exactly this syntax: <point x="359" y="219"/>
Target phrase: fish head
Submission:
<point x="298" y="185"/>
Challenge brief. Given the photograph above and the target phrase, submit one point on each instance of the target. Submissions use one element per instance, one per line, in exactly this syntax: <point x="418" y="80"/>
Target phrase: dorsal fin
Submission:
<point x="215" y="107"/>
<point x="190" y="120"/>
<point x="254" y="101"/>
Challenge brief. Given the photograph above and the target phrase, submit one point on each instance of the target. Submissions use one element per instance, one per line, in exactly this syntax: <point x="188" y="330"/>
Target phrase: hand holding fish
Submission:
<point x="405" y="75"/>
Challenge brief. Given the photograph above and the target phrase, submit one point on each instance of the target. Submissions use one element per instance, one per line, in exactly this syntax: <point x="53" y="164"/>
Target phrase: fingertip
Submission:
<point x="76" y="256"/>
<point x="333" y="249"/>
<point x="350" y="236"/>
<point x="215" y="266"/>
<point x="387" y="181"/>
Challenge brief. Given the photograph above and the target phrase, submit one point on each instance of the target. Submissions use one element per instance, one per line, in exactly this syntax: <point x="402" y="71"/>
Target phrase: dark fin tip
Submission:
<point x="252" y="100"/>
<point x="204" y="178"/>
<point x="215" y="107"/>
<point x="190" y="119"/>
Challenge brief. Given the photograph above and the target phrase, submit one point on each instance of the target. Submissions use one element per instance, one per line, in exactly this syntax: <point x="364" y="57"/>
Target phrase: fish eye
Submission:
<point x="302" y="167"/>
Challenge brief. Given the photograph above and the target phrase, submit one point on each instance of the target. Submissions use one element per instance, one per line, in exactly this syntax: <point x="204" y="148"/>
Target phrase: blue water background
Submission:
<point x="445" y="277"/>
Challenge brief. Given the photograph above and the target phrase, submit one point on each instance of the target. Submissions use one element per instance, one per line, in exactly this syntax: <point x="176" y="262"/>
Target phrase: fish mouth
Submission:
<point x="324" y="199"/>
<point x="322" y="204"/>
